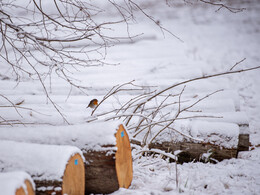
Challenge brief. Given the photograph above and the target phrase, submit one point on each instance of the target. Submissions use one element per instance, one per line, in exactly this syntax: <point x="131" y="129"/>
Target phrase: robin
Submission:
<point x="93" y="103"/>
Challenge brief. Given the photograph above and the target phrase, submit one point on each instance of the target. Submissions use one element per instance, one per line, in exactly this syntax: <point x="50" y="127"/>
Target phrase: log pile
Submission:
<point x="215" y="142"/>
<point x="54" y="169"/>
<point x="105" y="146"/>
<point x="16" y="183"/>
<point x="108" y="170"/>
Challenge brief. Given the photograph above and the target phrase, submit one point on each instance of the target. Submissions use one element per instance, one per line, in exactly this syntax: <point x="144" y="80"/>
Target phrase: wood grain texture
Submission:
<point x="74" y="177"/>
<point x="73" y="180"/>
<point x="124" y="167"/>
<point x="107" y="170"/>
<point x="101" y="175"/>
<point x="20" y="191"/>
<point x="29" y="189"/>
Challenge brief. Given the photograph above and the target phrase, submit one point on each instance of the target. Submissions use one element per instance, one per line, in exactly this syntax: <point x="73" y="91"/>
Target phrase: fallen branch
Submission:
<point x="171" y="156"/>
<point x="189" y="81"/>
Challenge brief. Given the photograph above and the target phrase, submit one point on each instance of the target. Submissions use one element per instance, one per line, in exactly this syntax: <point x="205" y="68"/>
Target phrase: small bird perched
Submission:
<point x="93" y="103"/>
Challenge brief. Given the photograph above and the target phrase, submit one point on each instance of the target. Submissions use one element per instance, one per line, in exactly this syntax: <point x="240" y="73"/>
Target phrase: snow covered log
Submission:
<point x="108" y="170"/>
<point x="197" y="151"/>
<point x="54" y="169"/>
<point x="105" y="146"/>
<point x="202" y="140"/>
<point x="16" y="183"/>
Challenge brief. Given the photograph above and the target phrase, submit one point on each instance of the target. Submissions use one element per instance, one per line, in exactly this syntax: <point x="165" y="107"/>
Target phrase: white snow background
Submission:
<point x="212" y="41"/>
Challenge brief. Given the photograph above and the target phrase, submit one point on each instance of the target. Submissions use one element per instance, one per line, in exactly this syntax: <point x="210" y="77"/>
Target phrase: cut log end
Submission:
<point x="73" y="180"/>
<point x="74" y="177"/>
<point x="124" y="167"/>
<point x="29" y="189"/>
<point x="109" y="169"/>
<point x="243" y="142"/>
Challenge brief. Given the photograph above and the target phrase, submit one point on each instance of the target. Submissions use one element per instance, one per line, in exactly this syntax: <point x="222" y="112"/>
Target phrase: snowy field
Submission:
<point x="208" y="42"/>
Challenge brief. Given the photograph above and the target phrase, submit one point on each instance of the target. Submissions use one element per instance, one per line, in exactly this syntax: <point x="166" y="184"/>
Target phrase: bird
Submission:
<point x="93" y="103"/>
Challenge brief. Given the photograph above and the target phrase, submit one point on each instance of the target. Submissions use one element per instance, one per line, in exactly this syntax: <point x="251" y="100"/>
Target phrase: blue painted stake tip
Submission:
<point x="122" y="134"/>
<point x="76" y="162"/>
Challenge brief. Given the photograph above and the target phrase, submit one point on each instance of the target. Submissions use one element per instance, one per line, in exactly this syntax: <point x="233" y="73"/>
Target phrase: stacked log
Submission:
<point x="54" y="169"/>
<point x="108" y="170"/>
<point x="16" y="183"/>
<point x="191" y="151"/>
<point x="203" y="141"/>
<point x="105" y="146"/>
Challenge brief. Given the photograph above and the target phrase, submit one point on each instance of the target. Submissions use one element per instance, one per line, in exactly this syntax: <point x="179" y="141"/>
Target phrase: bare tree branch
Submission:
<point x="191" y="80"/>
<point x="237" y="63"/>
<point x="222" y="5"/>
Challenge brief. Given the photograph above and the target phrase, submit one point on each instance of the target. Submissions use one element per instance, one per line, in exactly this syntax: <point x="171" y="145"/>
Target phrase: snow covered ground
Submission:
<point x="212" y="42"/>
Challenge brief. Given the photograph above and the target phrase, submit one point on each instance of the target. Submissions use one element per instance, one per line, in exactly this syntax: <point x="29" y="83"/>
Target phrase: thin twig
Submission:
<point x="221" y="5"/>
<point x="237" y="64"/>
<point x="13" y="105"/>
<point x="171" y="156"/>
